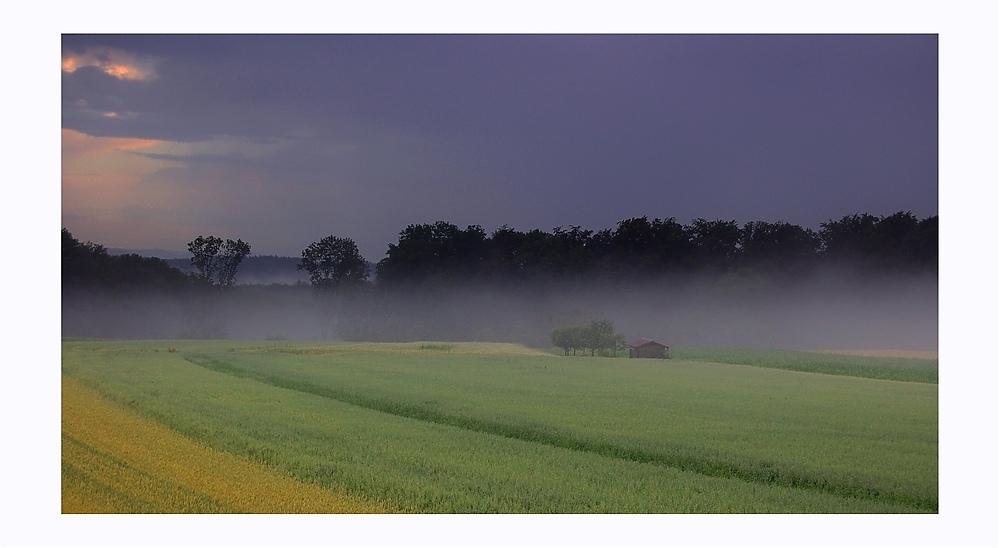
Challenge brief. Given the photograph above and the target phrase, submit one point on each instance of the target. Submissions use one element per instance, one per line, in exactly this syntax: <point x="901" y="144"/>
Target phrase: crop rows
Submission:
<point x="871" y="367"/>
<point x="456" y="428"/>
<point x="116" y="462"/>
<point x="674" y="456"/>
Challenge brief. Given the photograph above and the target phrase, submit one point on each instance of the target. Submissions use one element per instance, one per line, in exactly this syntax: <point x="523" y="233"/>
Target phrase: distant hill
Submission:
<point x="258" y="269"/>
<point x="255" y="269"/>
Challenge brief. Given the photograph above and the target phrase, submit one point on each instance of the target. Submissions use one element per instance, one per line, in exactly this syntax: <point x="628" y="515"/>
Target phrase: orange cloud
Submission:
<point x="76" y="144"/>
<point x="117" y="63"/>
<point x="100" y="165"/>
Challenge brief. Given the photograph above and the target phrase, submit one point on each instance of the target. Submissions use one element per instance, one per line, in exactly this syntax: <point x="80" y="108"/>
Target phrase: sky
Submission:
<point x="281" y="140"/>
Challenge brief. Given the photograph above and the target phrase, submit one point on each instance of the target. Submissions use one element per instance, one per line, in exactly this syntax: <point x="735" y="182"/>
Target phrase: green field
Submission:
<point x="487" y="428"/>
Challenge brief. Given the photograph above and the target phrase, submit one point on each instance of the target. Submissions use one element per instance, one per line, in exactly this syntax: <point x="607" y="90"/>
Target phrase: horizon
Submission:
<point x="166" y="253"/>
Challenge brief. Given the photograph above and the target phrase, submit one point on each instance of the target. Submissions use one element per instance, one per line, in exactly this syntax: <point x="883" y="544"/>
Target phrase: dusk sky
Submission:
<point x="280" y="140"/>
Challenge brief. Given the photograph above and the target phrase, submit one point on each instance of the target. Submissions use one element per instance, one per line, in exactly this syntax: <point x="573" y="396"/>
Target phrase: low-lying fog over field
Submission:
<point x="824" y="312"/>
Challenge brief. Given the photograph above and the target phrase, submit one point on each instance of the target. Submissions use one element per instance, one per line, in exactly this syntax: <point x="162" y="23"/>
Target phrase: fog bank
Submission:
<point x="827" y="311"/>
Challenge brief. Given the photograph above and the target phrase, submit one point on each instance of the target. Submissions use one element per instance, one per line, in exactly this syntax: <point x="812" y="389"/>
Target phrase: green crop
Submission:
<point x="437" y="427"/>
<point x="872" y="367"/>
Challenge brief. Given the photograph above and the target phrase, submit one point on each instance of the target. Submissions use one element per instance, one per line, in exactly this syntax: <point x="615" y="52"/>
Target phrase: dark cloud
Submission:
<point x="542" y="130"/>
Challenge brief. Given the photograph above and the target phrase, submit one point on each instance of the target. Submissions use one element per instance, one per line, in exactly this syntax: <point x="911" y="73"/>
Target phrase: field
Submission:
<point x="206" y="426"/>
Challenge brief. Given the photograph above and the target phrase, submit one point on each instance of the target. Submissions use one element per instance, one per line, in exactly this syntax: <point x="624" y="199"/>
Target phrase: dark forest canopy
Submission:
<point x="441" y="253"/>
<point x="643" y="248"/>
<point x="90" y="266"/>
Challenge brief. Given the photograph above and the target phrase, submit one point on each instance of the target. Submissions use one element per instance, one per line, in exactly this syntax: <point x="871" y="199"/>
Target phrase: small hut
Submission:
<point x="645" y="348"/>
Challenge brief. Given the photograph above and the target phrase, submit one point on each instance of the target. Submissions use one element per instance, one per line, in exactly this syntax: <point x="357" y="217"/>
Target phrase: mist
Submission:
<point x="829" y="310"/>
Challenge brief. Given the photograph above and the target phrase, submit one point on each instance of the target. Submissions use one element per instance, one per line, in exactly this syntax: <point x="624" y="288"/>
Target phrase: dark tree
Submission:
<point x="217" y="260"/>
<point x="634" y="246"/>
<point x="90" y="266"/>
<point x="619" y="344"/>
<point x="538" y="254"/>
<point x="337" y="269"/>
<point x="777" y="247"/>
<point x="233" y="254"/>
<point x="849" y="240"/>
<point x="639" y="246"/>
<point x="716" y="243"/>
<point x="83" y="264"/>
<point x="901" y="241"/>
<point x="333" y="263"/>
<point x="441" y="254"/>
<point x="434" y="253"/>
<point x="923" y="244"/>
<point x="205" y="256"/>
<point x="565" y="338"/>
<point x="598" y="335"/>
<point x="896" y="242"/>
<point x="134" y="272"/>
<point x="503" y="263"/>
<point x="572" y="255"/>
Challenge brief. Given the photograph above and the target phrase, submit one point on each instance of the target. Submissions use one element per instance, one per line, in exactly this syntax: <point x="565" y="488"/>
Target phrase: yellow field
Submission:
<point x="419" y="347"/>
<point x="114" y="461"/>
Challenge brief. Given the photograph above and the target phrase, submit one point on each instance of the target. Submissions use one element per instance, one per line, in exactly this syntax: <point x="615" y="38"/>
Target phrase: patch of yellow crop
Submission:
<point x="422" y="347"/>
<point x="115" y="461"/>
<point x="473" y="348"/>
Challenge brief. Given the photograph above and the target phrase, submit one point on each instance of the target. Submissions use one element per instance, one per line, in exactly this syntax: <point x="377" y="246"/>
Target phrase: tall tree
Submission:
<point x="601" y="335"/>
<point x="564" y="337"/>
<point x="333" y="263"/>
<point x="337" y="269"/>
<point x="233" y="253"/>
<point x="216" y="260"/>
<point x="205" y="256"/>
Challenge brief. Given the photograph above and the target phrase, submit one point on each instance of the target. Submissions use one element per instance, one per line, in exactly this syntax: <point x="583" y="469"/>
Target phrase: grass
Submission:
<point x="115" y="461"/>
<point x="501" y="428"/>
<point x="872" y="367"/>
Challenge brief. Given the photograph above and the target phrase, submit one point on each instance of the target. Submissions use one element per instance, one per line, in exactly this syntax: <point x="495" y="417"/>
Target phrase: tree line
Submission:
<point x="441" y="253"/>
<point x="86" y="265"/>
<point x="640" y="247"/>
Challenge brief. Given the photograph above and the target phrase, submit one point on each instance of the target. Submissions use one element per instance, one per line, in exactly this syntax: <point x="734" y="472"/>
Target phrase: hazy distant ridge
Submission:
<point x="258" y="269"/>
